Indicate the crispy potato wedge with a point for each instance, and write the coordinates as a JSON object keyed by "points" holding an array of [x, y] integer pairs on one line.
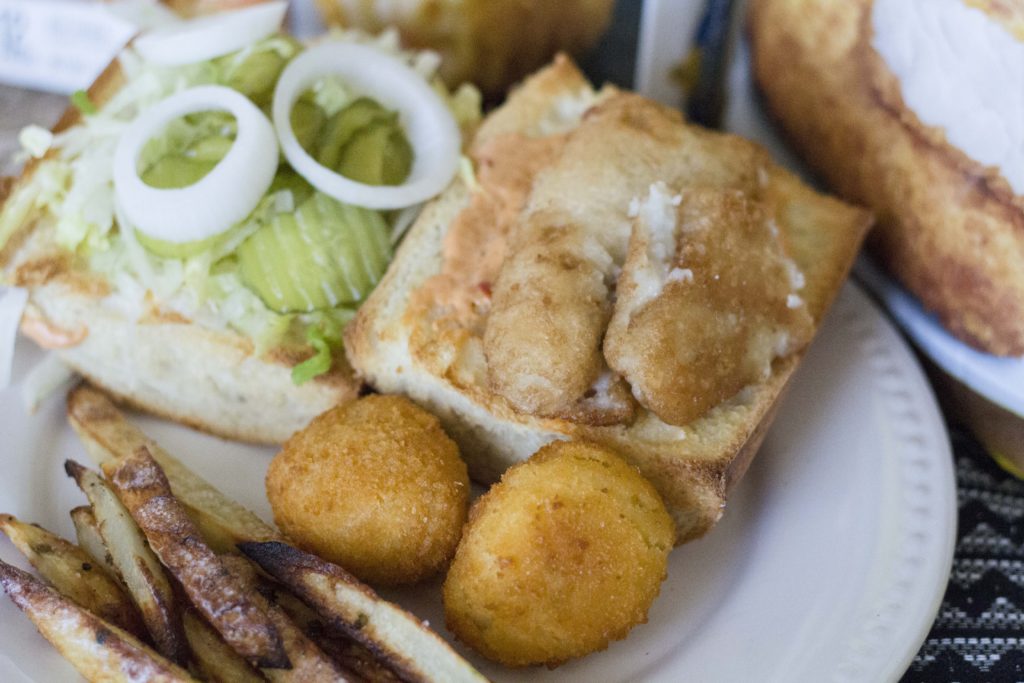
{"points": [[222, 599], [74, 573], [309, 663], [109, 437], [87, 531], [216, 660], [139, 568], [99, 650], [348, 653], [410, 648]]}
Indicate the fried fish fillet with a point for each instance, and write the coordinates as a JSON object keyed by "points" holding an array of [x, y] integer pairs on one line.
{"points": [[705, 303]]}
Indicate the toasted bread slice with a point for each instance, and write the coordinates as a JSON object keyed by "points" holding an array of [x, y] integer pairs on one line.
{"points": [[949, 229], [156, 360], [398, 345]]}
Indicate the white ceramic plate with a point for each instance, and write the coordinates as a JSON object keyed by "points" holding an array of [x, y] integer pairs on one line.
{"points": [[1000, 380], [828, 566]]}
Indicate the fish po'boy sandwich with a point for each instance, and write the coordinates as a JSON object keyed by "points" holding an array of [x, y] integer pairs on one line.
{"points": [[200, 225]]}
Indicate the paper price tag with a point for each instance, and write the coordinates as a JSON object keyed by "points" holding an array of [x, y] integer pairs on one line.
{"points": [[57, 45]]}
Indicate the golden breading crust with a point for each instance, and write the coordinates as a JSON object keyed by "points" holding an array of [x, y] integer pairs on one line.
{"points": [[404, 342], [727, 286], [554, 292], [563, 556], [951, 231], [374, 485], [549, 311]]}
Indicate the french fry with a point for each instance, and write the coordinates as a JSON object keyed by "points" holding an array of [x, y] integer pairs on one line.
{"points": [[216, 660], [225, 525], [309, 663], [109, 437], [87, 531], [139, 568], [348, 653], [220, 598], [410, 648], [74, 573], [99, 650]]}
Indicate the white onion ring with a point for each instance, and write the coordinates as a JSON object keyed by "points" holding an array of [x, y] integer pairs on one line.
{"points": [[197, 40], [224, 196], [429, 125]]}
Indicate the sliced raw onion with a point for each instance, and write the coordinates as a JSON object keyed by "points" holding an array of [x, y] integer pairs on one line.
{"points": [[224, 196], [429, 125], [12, 305], [212, 36]]}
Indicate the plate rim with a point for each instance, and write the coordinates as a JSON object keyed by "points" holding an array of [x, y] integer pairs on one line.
{"points": [[942, 459], [873, 328], [979, 371]]}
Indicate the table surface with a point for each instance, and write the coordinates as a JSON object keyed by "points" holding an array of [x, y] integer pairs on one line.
{"points": [[979, 632]]}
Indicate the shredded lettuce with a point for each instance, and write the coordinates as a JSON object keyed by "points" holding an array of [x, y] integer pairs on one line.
{"points": [[317, 364], [324, 335], [73, 187], [468, 174], [80, 100], [35, 140], [466, 104]]}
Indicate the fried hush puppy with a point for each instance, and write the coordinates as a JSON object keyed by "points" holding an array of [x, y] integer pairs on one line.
{"points": [[561, 557], [375, 486]]}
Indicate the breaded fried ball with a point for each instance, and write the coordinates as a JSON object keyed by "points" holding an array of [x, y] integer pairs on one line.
{"points": [[563, 556], [375, 486]]}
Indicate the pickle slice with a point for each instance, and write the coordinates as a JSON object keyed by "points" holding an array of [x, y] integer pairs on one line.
{"points": [[257, 74], [211, 149], [344, 126], [176, 170], [324, 255], [287, 179], [378, 155], [398, 157], [307, 120]]}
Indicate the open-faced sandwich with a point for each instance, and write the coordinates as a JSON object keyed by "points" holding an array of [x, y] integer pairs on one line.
{"points": [[199, 226], [612, 274]]}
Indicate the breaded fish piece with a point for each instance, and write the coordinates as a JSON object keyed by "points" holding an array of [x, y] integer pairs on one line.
{"points": [[552, 300], [550, 309], [706, 301]]}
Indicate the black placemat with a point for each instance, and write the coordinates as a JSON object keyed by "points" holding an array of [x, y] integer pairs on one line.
{"points": [[979, 632]]}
